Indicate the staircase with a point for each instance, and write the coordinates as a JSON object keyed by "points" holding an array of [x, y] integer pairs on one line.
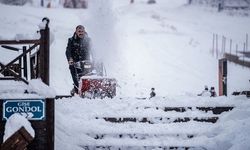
{"points": [[143, 125]]}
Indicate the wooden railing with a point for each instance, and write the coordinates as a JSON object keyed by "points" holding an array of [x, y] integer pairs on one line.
{"points": [[17, 69]]}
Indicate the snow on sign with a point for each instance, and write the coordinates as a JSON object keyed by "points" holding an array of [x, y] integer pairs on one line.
{"points": [[32, 109]]}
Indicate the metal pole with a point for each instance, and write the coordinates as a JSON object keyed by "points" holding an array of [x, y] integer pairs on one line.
{"points": [[213, 44], [244, 48], [231, 45], [225, 40], [216, 46], [246, 42], [222, 45], [236, 49]]}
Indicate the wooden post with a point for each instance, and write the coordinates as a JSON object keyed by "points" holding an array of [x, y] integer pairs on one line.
{"points": [[223, 77], [50, 122], [32, 70], [25, 63], [20, 67], [44, 53], [2, 122], [44, 129]]}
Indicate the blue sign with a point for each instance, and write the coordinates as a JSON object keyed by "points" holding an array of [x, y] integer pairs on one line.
{"points": [[32, 109]]}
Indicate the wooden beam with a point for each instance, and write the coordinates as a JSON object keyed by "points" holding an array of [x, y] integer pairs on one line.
{"points": [[236, 60], [19, 42], [62, 96], [246, 54], [16, 76], [18, 141]]}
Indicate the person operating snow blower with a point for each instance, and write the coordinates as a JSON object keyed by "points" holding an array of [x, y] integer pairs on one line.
{"points": [[78, 49]]}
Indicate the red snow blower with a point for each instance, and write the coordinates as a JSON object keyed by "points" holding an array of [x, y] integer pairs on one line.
{"points": [[93, 81]]}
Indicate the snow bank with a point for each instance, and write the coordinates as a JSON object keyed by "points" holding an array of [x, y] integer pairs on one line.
{"points": [[233, 129], [9, 88], [14, 123], [20, 36], [18, 89], [40, 88]]}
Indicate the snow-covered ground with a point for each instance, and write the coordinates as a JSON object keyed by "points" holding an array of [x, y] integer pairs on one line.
{"points": [[166, 46]]}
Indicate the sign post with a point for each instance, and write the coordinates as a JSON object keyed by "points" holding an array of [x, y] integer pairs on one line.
{"points": [[30, 108], [40, 113]]}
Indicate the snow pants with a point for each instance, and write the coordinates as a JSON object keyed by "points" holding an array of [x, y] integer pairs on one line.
{"points": [[74, 73]]}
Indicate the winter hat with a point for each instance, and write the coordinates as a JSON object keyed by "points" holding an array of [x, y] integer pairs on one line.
{"points": [[80, 26]]}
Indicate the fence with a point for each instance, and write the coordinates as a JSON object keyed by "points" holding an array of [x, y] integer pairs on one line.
{"points": [[223, 4], [17, 69], [222, 45], [32, 63], [237, 55]]}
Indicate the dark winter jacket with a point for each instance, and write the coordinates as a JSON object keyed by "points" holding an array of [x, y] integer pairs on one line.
{"points": [[78, 48]]}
